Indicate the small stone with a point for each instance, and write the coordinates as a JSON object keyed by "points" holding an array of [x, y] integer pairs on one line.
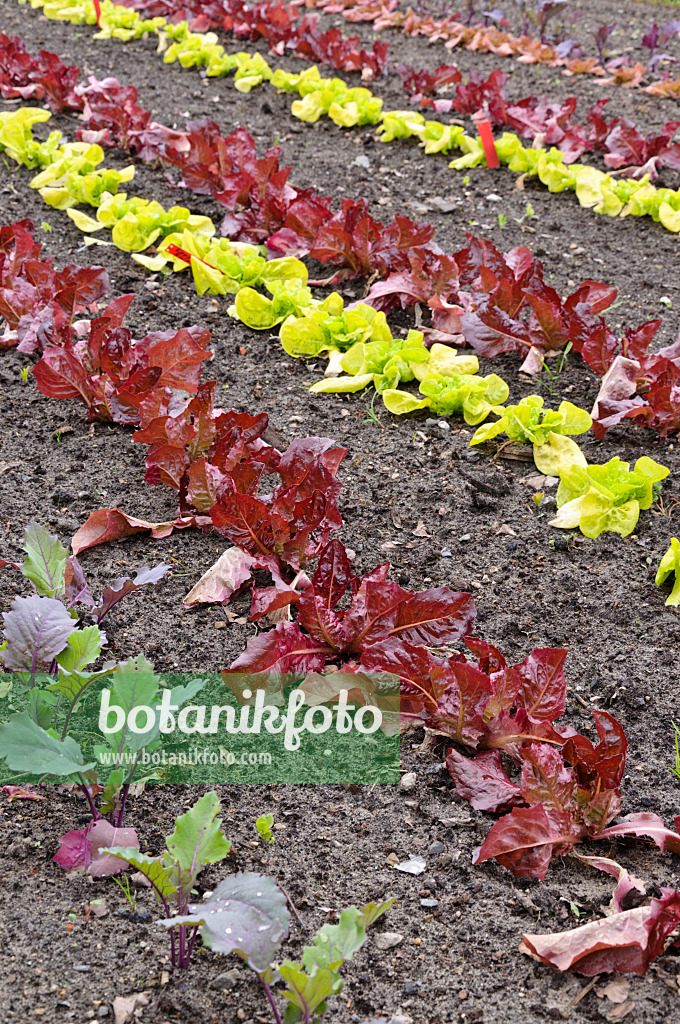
{"points": [[465, 537], [407, 783], [463, 994], [140, 881], [387, 940], [493, 198], [443, 425], [392, 858], [410, 988], [225, 982], [429, 902], [443, 205], [103, 1011], [445, 553], [81, 968], [362, 161], [436, 848]]}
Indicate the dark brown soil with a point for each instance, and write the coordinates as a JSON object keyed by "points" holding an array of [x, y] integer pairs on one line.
{"points": [[459, 961]]}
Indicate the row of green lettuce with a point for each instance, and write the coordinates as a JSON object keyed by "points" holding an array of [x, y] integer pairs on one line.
{"points": [[351, 106], [593, 498], [358, 342]]}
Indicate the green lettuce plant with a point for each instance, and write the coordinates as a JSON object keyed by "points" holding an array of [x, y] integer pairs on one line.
{"points": [[469, 396], [670, 563], [16, 137], [74, 177], [383, 363], [289, 298], [529, 423], [329, 326], [136, 223], [222, 267], [604, 498]]}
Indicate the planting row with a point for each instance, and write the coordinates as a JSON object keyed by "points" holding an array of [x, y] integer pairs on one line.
{"points": [[357, 106], [562, 789], [253, 23], [623, 144], [527, 50]]}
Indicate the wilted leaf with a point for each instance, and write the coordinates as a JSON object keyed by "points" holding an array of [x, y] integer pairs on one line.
{"points": [[623, 942]]}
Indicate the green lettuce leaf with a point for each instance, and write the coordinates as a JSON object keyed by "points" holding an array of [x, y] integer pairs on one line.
{"points": [[670, 563]]}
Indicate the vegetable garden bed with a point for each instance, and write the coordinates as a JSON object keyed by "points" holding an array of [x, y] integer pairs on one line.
{"points": [[415, 493]]}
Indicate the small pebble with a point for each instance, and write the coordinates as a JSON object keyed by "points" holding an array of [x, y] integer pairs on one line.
{"points": [[407, 783], [387, 940], [436, 848], [224, 982]]}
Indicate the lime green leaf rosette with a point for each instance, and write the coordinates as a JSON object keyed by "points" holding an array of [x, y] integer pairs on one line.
{"points": [[464, 395], [261, 313], [606, 498], [136, 223], [383, 362], [529, 423], [74, 177], [670, 563], [330, 327], [221, 267], [16, 137]]}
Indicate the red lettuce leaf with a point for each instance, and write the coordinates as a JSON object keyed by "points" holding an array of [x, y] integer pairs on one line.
{"points": [[280, 650], [622, 943], [482, 781], [107, 524], [648, 825], [541, 686], [525, 840]]}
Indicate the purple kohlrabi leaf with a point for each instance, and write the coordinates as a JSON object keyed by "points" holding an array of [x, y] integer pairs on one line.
{"points": [[36, 630], [120, 588]]}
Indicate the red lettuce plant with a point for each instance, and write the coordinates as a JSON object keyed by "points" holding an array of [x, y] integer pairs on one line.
{"points": [[38, 302], [120, 380], [43, 77]]}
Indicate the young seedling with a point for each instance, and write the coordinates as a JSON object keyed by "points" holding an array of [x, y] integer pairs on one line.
{"points": [[247, 915], [553, 375], [124, 885], [676, 767], [264, 827], [602, 34], [197, 840], [51, 640]]}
